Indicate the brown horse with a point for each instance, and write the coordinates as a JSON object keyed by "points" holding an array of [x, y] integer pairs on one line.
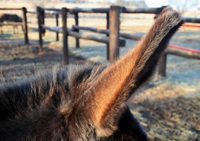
{"points": [[88, 102]]}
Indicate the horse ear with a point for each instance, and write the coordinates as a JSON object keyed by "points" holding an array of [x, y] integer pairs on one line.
{"points": [[116, 83]]}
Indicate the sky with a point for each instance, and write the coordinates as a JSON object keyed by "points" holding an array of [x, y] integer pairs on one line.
{"points": [[185, 4], [156, 3]]}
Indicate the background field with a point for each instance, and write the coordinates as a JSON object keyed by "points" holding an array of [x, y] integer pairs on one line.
{"points": [[168, 108]]}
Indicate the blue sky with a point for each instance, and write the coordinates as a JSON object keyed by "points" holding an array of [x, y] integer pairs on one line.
{"points": [[184, 4]]}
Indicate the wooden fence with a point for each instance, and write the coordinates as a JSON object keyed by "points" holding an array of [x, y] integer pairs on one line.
{"points": [[23, 24], [113, 42]]}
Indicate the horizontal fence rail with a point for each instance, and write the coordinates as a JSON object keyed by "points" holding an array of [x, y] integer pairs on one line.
{"points": [[10, 8], [88, 10], [143, 10], [192, 20]]}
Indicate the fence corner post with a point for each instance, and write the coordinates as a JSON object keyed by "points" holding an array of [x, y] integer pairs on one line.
{"points": [[114, 27], [65, 36], [24, 25]]}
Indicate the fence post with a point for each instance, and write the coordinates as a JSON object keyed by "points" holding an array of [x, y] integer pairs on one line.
{"points": [[24, 25], [65, 36], [162, 65], [57, 24], [114, 18], [39, 17], [107, 27], [76, 17]]}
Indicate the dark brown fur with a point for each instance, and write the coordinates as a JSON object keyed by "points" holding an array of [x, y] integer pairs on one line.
{"points": [[84, 102]]}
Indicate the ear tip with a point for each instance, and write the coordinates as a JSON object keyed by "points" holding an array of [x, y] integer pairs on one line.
{"points": [[172, 15], [168, 10]]}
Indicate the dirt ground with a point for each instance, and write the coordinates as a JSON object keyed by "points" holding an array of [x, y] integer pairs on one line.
{"points": [[168, 108]]}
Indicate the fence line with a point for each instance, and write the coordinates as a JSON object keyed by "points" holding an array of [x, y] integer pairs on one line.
{"points": [[113, 32], [10, 8], [112, 16]]}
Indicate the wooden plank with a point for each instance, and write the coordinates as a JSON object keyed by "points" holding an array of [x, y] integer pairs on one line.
{"points": [[88, 10], [88, 37], [93, 38], [194, 25], [91, 29], [103, 31], [31, 12], [143, 10], [130, 36], [95, 30], [191, 20], [53, 29], [183, 52], [53, 10], [10, 8], [71, 32]]}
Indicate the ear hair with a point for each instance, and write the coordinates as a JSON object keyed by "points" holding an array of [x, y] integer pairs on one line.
{"points": [[108, 94]]}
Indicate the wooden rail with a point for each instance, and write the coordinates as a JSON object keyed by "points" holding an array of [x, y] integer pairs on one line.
{"points": [[143, 10], [183, 51], [10, 8], [192, 20], [88, 10], [106, 31], [82, 36], [93, 38]]}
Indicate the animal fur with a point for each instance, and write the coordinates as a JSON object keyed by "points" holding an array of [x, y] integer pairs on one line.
{"points": [[10, 18], [81, 103]]}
